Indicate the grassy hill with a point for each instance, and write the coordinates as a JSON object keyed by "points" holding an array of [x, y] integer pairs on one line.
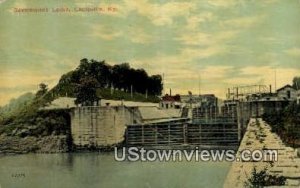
{"points": [[25, 118], [15, 105]]}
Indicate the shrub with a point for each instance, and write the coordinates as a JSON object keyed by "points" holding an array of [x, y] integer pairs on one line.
{"points": [[262, 179]]}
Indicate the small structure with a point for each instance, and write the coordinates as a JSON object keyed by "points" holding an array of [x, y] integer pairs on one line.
{"points": [[105, 102], [229, 109], [169, 101], [287, 92], [206, 109], [208, 100], [61, 103], [191, 100]]}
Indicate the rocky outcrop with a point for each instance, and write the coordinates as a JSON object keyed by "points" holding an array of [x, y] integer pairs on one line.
{"points": [[30, 144]]}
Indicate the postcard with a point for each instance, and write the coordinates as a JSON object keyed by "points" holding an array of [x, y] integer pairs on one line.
{"points": [[149, 93]]}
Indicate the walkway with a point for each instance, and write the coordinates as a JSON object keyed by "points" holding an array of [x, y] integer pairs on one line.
{"points": [[258, 137]]}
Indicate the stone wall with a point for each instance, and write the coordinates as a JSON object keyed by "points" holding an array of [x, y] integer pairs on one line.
{"points": [[259, 137], [101, 126]]}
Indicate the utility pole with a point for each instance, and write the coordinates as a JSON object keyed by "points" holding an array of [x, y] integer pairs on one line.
{"points": [[111, 89], [275, 80], [199, 86], [163, 80]]}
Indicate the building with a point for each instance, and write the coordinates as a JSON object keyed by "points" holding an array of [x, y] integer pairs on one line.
{"points": [[169, 101], [206, 109], [208, 100], [61, 103], [190, 99], [287, 92]]}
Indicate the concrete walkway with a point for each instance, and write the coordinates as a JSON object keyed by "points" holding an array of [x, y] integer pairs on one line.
{"points": [[259, 137]]}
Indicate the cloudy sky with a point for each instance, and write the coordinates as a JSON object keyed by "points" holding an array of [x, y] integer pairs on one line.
{"points": [[213, 44]]}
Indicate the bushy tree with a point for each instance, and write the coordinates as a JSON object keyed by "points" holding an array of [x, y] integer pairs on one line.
{"points": [[86, 91], [43, 88], [296, 82], [120, 77]]}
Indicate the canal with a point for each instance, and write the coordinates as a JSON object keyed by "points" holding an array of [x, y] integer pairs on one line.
{"points": [[98, 170]]}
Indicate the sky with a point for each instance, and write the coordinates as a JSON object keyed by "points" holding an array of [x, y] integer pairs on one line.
{"points": [[203, 46]]}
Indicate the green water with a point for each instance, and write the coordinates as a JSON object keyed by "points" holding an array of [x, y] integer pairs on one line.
{"points": [[101, 170]]}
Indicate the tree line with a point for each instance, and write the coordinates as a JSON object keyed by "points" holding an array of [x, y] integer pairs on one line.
{"points": [[92, 74]]}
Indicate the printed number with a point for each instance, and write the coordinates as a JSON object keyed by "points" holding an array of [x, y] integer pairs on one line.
{"points": [[18, 175]]}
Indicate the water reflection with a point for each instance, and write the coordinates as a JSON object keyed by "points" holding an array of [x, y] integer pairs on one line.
{"points": [[101, 170]]}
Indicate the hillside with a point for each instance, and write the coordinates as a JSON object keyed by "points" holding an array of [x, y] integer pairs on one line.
{"points": [[22, 117], [15, 105], [112, 82]]}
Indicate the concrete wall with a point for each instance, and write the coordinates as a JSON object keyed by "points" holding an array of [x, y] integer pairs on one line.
{"points": [[101, 126]]}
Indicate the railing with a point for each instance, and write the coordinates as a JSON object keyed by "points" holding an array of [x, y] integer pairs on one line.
{"points": [[218, 120]]}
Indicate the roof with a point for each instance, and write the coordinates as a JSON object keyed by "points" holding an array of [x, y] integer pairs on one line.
{"points": [[207, 95], [162, 121], [68, 102], [171, 98], [103, 102], [151, 113], [61, 103], [286, 86]]}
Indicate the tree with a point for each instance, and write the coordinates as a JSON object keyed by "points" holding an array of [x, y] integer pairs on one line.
{"points": [[120, 76], [43, 88], [102, 72], [86, 91], [296, 82], [155, 85]]}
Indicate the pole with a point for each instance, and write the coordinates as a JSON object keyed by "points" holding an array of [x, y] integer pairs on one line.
{"points": [[275, 80]]}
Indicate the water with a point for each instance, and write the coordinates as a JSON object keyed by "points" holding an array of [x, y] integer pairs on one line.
{"points": [[101, 170]]}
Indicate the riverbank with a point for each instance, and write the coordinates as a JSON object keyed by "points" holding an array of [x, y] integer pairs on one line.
{"points": [[12, 145], [31, 144]]}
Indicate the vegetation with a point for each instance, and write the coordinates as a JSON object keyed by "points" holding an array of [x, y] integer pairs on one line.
{"points": [[43, 123], [43, 88], [86, 91], [16, 104], [118, 77], [296, 82], [286, 123], [110, 82], [108, 93], [90, 81], [262, 179]]}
